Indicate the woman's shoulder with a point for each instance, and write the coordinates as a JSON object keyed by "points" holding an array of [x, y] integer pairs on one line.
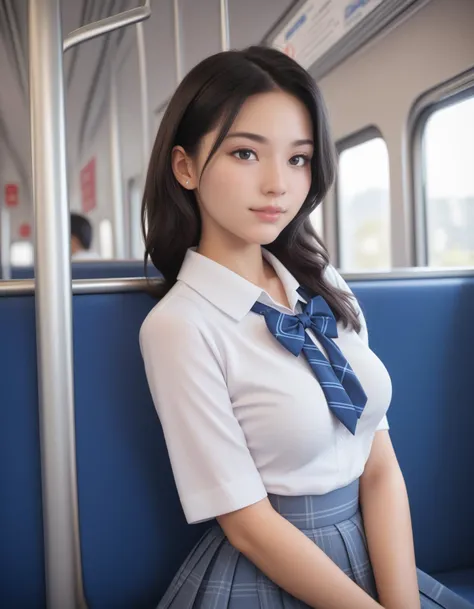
{"points": [[179, 310]]}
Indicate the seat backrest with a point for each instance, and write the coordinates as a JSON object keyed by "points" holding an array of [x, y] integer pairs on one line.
{"points": [[423, 330], [133, 531], [22, 583], [100, 269], [22, 272], [420, 328], [111, 269]]}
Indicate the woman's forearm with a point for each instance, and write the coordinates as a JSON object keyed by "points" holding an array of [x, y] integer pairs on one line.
{"points": [[387, 522], [292, 560]]}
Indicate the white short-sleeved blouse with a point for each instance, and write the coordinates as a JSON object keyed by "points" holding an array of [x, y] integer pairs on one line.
{"points": [[241, 415]]}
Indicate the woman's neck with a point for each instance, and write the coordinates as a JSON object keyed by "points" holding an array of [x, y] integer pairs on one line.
{"points": [[248, 262], [245, 260]]}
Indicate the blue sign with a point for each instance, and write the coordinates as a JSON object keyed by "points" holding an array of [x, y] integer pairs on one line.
{"points": [[352, 7], [295, 27]]}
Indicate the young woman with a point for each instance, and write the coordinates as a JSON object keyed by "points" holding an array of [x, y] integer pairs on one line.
{"points": [[271, 401]]}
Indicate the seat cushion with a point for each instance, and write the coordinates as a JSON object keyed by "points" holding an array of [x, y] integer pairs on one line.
{"points": [[461, 582]]}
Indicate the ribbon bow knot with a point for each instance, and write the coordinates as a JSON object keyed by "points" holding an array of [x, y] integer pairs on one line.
{"points": [[342, 389]]}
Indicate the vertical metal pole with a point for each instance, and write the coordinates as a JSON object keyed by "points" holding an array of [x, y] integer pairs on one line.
{"points": [[116, 168], [225, 31], [142, 64], [5, 243], [64, 587], [178, 46]]}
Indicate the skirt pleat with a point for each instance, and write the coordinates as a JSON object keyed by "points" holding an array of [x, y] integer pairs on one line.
{"points": [[187, 582], [218, 581], [217, 576], [360, 569]]}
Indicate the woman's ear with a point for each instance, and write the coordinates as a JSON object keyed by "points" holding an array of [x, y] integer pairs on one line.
{"points": [[183, 168]]}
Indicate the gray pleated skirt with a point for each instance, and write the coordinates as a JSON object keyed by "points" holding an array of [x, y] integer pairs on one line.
{"points": [[216, 576]]}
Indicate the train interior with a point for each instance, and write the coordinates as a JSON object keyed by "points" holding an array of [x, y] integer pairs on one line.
{"points": [[399, 224]]}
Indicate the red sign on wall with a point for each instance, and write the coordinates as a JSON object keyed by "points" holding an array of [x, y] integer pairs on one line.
{"points": [[88, 187], [11, 195], [25, 230]]}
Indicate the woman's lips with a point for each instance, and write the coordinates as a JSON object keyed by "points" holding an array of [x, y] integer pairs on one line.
{"points": [[268, 214]]}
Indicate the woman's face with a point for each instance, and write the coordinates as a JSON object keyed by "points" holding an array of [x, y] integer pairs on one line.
{"points": [[261, 175]]}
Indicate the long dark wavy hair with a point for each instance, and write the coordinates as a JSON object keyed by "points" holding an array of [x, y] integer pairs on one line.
{"points": [[212, 94]]}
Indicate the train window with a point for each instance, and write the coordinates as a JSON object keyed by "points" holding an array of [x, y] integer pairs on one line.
{"points": [[363, 204], [106, 239], [448, 192], [21, 253], [318, 221]]}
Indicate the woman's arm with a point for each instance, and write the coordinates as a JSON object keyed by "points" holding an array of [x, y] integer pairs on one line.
{"points": [[292, 560], [387, 522]]}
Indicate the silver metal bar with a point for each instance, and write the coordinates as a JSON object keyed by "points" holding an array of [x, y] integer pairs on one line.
{"points": [[92, 30], [64, 586], [178, 42], [111, 286], [116, 286], [116, 168], [409, 273], [5, 243], [26, 287], [145, 110], [17, 287], [225, 30]]}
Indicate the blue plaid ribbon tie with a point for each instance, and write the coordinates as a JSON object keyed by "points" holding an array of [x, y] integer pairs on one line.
{"points": [[342, 389]]}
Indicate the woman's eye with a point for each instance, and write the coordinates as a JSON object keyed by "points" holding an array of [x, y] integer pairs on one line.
{"points": [[244, 155], [300, 160]]}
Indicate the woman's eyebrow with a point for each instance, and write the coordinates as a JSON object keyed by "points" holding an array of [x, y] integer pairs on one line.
{"points": [[263, 140]]}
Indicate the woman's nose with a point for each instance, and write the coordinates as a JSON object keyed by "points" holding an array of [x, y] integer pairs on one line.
{"points": [[274, 181]]}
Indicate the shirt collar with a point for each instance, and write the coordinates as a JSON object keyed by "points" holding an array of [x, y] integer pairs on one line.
{"points": [[227, 290]]}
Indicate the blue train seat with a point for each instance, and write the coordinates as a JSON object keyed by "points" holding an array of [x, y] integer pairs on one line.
{"points": [[111, 269], [133, 532], [423, 330], [22, 272], [95, 270], [22, 583]]}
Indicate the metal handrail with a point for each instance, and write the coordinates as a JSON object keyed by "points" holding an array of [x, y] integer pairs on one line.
{"points": [[225, 27], [109, 24], [53, 294], [21, 287], [178, 43]]}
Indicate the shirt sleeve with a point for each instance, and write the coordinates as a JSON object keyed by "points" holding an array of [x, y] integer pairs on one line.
{"points": [[212, 466], [383, 425], [335, 278]]}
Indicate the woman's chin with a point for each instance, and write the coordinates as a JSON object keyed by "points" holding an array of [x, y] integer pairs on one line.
{"points": [[264, 235]]}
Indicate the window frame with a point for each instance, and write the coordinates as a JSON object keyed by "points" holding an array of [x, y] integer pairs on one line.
{"points": [[320, 209], [448, 93], [134, 188], [357, 138]]}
